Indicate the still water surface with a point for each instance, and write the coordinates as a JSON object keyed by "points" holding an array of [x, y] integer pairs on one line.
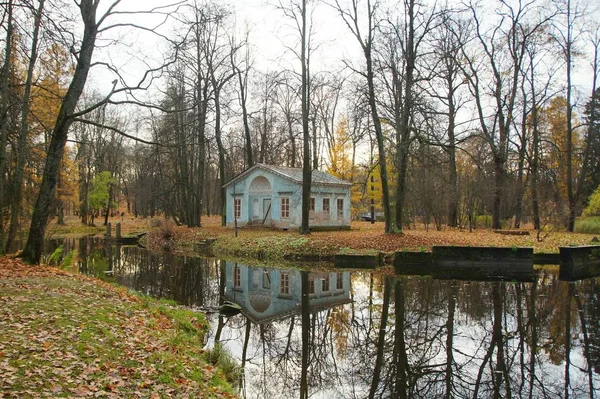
{"points": [[363, 334]]}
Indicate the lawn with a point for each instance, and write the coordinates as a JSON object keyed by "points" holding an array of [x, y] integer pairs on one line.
{"points": [[65, 335], [362, 238]]}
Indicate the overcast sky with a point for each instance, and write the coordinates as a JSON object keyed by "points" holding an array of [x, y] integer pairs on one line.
{"points": [[270, 32]]}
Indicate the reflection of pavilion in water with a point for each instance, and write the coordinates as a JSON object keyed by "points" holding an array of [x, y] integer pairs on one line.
{"points": [[267, 294]]}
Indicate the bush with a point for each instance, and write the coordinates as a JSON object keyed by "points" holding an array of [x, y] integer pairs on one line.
{"points": [[593, 208], [167, 230], [154, 223], [589, 225], [219, 357]]}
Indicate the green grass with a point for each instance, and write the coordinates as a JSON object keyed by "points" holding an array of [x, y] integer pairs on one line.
{"points": [[65, 336], [267, 247], [588, 225]]}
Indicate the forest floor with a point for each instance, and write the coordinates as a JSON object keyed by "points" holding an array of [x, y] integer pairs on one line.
{"points": [[66, 335], [362, 238]]}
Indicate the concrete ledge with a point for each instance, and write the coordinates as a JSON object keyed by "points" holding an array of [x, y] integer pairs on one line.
{"points": [[580, 262], [413, 263], [483, 263], [356, 261], [546, 259]]}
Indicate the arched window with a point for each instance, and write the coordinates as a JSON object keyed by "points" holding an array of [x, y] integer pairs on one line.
{"points": [[260, 185]]}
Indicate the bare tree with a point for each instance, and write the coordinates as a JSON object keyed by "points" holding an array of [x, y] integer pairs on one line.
{"points": [[93, 25], [405, 45], [566, 37], [352, 17], [450, 36], [242, 75], [7, 19], [299, 12], [506, 39]]}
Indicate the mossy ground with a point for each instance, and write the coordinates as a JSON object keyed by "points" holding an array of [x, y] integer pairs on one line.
{"points": [[66, 335], [364, 238]]}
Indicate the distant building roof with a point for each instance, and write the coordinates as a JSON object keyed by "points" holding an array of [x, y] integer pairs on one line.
{"points": [[294, 174]]}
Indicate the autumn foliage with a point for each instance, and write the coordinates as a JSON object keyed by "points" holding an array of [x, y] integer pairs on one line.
{"points": [[65, 335]]}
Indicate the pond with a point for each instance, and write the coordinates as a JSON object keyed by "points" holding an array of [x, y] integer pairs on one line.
{"points": [[363, 334]]}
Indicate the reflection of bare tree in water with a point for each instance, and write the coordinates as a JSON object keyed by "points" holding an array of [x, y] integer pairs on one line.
{"points": [[449, 381], [221, 318], [379, 360], [403, 337], [305, 336], [400, 356], [590, 302]]}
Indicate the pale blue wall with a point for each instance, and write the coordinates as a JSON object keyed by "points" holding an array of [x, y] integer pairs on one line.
{"points": [[282, 187], [281, 305]]}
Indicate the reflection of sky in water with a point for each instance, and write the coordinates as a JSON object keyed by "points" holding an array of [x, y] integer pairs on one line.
{"points": [[343, 339]]}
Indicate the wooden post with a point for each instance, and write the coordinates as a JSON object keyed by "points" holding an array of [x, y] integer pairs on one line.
{"points": [[118, 230], [108, 227]]}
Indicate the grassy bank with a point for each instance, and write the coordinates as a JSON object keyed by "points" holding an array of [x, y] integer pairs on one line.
{"points": [[65, 335], [363, 238]]}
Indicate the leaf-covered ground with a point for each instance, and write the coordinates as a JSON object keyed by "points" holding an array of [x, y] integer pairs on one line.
{"points": [[65, 335], [363, 237]]}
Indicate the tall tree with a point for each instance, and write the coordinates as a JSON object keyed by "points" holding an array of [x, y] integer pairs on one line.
{"points": [[449, 38], [566, 36], [352, 17], [33, 247], [502, 50], [242, 75], [4, 107], [92, 25], [409, 37], [589, 177], [220, 50], [15, 213], [299, 12]]}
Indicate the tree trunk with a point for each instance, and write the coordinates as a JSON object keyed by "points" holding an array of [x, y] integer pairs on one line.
{"points": [[452, 174], [535, 159], [4, 106], [243, 100], [315, 149], [15, 213], [498, 191], [403, 142], [41, 212], [387, 210], [521, 169], [306, 164], [569, 149], [292, 141], [221, 151]]}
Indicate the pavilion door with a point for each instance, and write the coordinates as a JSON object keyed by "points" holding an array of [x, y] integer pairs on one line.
{"points": [[266, 210]]}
